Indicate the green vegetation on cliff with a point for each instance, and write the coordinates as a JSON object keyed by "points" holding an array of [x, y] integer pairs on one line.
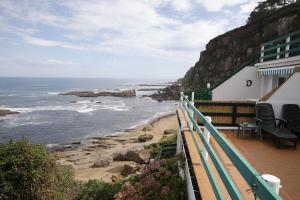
{"points": [[266, 8]]}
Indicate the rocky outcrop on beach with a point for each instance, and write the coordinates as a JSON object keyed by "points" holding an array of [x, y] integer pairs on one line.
{"points": [[145, 137], [130, 154], [130, 168], [228, 52], [4, 113], [171, 131], [103, 161], [123, 93], [169, 93]]}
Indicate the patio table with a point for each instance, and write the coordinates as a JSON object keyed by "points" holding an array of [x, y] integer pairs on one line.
{"points": [[247, 126]]}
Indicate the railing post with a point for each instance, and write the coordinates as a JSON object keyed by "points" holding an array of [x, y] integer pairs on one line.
{"points": [[206, 135], [287, 47], [262, 54], [186, 106], [191, 110], [179, 145], [181, 97], [278, 53]]}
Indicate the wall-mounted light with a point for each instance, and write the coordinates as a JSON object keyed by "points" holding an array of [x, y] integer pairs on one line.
{"points": [[248, 83], [208, 85]]}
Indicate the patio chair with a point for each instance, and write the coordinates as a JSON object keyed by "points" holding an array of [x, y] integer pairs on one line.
{"points": [[266, 122], [291, 117]]}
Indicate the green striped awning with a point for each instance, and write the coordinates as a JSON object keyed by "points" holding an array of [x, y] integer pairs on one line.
{"points": [[276, 71]]}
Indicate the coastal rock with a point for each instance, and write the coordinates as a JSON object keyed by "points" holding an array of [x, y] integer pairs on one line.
{"points": [[169, 93], [145, 137], [3, 113], [130, 169], [132, 154], [115, 178], [123, 93], [171, 131], [102, 162], [147, 128], [77, 142]]}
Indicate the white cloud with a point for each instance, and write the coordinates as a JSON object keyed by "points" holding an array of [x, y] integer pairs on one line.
{"points": [[130, 27], [218, 5], [49, 43], [248, 7], [181, 5], [19, 61]]}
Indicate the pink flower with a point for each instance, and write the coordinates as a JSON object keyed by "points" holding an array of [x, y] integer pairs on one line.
{"points": [[163, 162], [150, 182], [168, 173], [146, 170], [165, 190]]}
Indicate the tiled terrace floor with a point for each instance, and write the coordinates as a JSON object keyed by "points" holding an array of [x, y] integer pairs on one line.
{"points": [[266, 158]]}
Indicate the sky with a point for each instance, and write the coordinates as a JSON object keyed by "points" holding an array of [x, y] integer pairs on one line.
{"points": [[158, 39]]}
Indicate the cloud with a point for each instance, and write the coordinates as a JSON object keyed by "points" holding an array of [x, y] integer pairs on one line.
{"points": [[182, 5], [170, 31], [128, 27], [218, 5], [18, 61], [248, 7], [48, 43]]}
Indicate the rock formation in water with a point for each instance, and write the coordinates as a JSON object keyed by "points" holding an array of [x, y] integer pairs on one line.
{"points": [[3, 113], [124, 93]]}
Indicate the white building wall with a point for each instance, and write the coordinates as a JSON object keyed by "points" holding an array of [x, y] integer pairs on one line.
{"points": [[288, 93], [236, 89], [267, 85]]}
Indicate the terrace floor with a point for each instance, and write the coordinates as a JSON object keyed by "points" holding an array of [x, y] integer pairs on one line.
{"points": [[267, 159], [262, 155]]}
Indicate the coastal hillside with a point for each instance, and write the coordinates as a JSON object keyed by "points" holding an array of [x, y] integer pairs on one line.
{"points": [[226, 53]]}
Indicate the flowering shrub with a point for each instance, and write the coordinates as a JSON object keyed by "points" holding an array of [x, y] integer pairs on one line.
{"points": [[157, 181]]}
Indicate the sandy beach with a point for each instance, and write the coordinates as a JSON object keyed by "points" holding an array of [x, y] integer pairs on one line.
{"points": [[87, 160]]}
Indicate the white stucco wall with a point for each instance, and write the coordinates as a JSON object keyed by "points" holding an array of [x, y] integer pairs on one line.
{"points": [[235, 89], [288, 93]]}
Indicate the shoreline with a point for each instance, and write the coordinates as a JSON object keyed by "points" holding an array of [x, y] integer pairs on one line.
{"points": [[79, 143], [85, 157]]}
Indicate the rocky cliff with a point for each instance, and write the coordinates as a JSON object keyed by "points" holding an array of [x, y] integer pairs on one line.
{"points": [[229, 51]]}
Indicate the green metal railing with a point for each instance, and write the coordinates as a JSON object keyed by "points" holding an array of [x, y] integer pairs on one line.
{"points": [[200, 95], [282, 47], [259, 186]]}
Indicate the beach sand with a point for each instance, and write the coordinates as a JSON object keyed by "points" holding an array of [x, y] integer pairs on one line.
{"points": [[83, 158]]}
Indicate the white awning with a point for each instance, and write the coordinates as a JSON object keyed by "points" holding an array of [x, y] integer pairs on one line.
{"points": [[276, 71]]}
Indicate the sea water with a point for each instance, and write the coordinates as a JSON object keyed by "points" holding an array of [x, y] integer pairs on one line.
{"points": [[49, 118]]}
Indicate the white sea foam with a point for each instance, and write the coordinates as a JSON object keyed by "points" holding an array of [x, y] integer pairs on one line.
{"points": [[146, 121], [53, 93], [87, 110], [85, 106], [51, 145], [117, 133]]}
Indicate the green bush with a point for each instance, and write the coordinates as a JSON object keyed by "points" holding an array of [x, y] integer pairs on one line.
{"points": [[99, 190], [28, 171]]}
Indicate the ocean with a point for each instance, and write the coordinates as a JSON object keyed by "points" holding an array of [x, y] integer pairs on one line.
{"points": [[49, 118]]}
